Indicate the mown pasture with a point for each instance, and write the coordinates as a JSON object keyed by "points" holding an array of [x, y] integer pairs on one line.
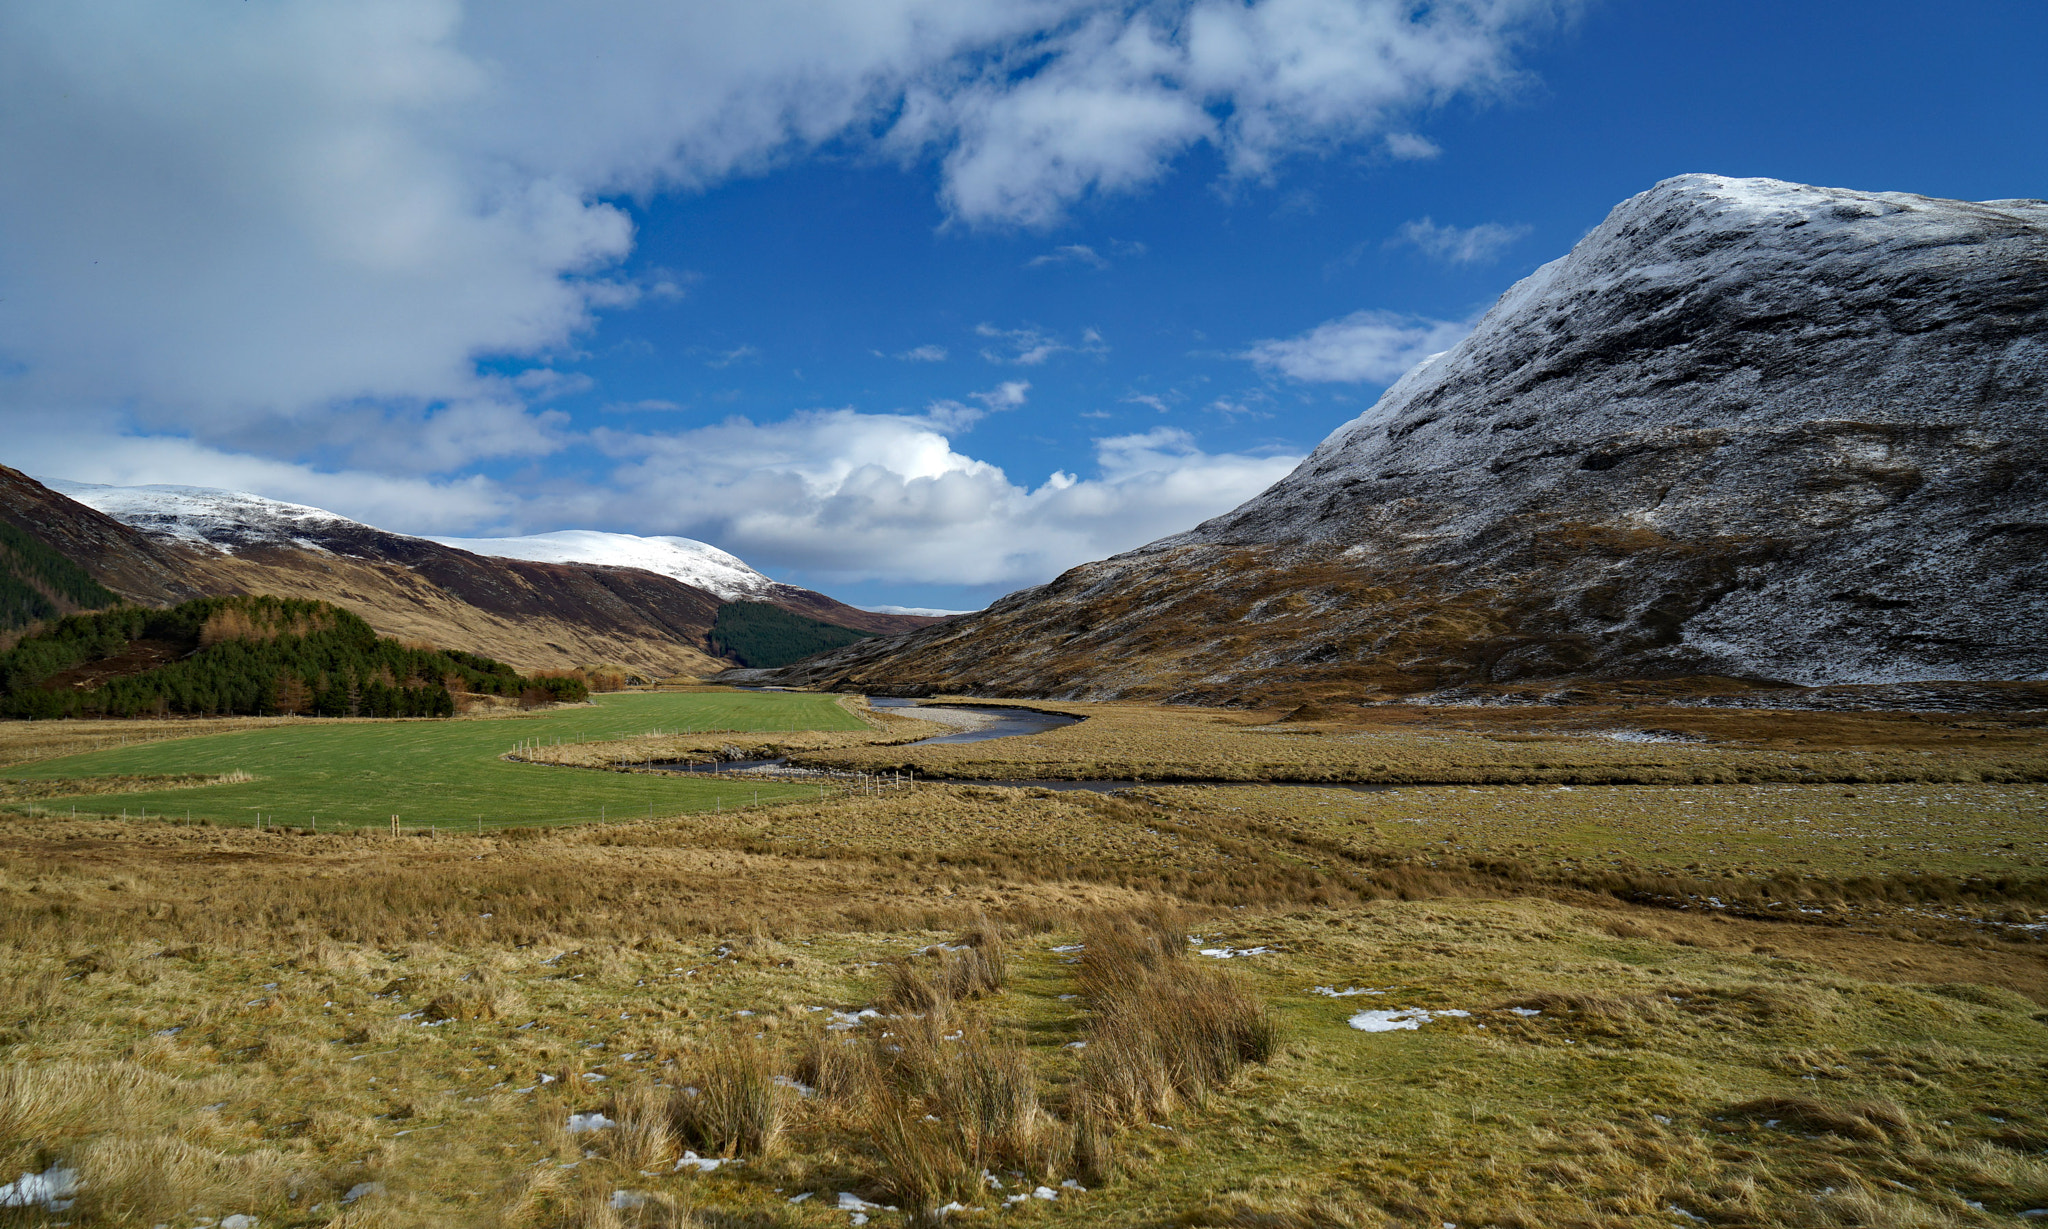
{"points": [[429, 773]]}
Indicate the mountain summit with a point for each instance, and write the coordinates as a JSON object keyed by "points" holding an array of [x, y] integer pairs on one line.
{"points": [[1744, 428]]}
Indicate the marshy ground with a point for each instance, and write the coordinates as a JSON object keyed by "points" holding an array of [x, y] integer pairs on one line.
{"points": [[1761, 1002]]}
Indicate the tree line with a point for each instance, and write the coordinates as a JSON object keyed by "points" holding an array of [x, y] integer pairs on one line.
{"points": [[248, 656], [762, 635], [31, 574]]}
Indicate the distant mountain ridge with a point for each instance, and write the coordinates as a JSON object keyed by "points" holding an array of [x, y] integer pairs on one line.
{"points": [[685, 559], [1745, 428], [164, 545]]}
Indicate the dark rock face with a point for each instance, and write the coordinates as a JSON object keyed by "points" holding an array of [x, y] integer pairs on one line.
{"points": [[1745, 428]]}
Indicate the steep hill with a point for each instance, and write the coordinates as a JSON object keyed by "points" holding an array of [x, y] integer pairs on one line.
{"points": [[1745, 428], [184, 542]]}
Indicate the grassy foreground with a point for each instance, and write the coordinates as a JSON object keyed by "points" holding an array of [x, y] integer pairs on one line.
{"points": [[429, 772], [206, 1023]]}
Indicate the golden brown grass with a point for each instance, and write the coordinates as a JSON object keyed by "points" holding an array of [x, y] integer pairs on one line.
{"points": [[1406, 745], [207, 1021], [23, 742], [66, 787]]}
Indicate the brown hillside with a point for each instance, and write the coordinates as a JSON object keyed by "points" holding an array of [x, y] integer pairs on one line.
{"points": [[531, 615]]}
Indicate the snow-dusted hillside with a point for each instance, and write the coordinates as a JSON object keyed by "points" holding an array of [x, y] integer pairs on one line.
{"points": [[235, 521], [1744, 428], [498, 574], [685, 559], [207, 518]]}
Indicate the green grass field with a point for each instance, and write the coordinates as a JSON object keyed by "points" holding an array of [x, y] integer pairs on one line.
{"points": [[351, 774]]}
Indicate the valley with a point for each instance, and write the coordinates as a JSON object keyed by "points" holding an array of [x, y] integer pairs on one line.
{"points": [[1604, 786], [1695, 986]]}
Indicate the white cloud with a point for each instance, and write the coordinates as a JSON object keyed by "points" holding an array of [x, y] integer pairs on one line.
{"points": [[857, 496], [1069, 254], [1120, 94], [1409, 147], [1029, 347], [726, 358], [922, 354], [645, 405], [222, 210], [1458, 245], [1369, 345], [413, 504], [953, 416], [276, 241]]}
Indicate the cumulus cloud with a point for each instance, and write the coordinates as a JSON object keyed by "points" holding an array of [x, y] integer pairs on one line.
{"points": [[318, 237], [1118, 95], [856, 496], [273, 207], [1364, 346], [1457, 245]]}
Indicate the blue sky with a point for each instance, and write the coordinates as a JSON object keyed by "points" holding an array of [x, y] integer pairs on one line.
{"points": [[915, 309]]}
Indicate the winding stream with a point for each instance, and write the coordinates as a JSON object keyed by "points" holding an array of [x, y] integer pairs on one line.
{"points": [[1005, 722]]}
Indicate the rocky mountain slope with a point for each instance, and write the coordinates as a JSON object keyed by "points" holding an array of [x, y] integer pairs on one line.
{"points": [[172, 543], [1746, 428]]}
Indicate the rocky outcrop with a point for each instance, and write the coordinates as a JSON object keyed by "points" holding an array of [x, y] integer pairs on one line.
{"points": [[1745, 428]]}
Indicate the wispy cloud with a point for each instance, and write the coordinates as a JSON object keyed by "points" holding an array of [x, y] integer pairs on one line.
{"points": [[1029, 347], [1069, 254], [1364, 346], [918, 354], [952, 416], [738, 354], [1409, 147], [1456, 245], [649, 405]]}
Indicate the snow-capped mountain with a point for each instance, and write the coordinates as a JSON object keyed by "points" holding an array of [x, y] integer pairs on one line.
{"points": [[685, 559], [206, 518], [546, 600], [1744, 428], [236, 521]]}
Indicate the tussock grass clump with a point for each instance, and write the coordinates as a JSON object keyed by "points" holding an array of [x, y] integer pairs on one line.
{"points": [[1875, 1121], [1165, 1032], [944, 974], [737, 1108], [936, 1102]]}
